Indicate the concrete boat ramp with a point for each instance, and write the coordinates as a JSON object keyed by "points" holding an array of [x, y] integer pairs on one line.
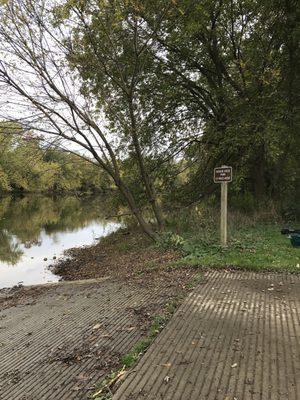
{"points": [[236, 336], [58, 342]]}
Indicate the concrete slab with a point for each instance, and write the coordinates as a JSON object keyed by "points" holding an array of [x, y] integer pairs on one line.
{"points": [[236, 337], [58, 343]]}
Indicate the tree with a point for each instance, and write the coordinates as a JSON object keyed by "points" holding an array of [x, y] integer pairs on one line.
{"points": [[229, 64], [112, 60], [54, 100], [28, 165], [157, 90]]}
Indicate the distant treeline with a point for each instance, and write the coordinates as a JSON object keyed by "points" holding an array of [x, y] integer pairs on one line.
{"points": [[28, 166]]}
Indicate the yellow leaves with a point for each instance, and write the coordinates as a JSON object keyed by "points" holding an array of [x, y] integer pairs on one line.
{"points": [[242, 64]]}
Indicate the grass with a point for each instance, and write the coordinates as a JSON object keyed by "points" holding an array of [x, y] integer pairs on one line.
{"points": [[130, 358], [255, 243], [195, 281], [256, 248], [158, 323]]}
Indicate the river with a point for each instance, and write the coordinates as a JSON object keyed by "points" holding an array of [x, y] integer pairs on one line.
{"points": [[35, 230]]}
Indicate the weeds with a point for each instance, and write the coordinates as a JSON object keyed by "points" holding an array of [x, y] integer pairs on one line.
{"points": [[255, 242], [196, 280], [104, 389], [130, 358]]}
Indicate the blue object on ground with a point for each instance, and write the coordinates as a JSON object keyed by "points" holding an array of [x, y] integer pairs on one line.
{"points": [[295, 239]]}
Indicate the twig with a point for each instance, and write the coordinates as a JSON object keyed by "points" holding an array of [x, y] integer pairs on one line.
{"points": [[110, 383]]}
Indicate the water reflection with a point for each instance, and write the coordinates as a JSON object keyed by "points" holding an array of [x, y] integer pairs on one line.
{"points": [[33, 228], [10, 251]]}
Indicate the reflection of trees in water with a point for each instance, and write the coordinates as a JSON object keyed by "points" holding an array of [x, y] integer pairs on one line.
{"points": [[23, 219], [10, 252]]}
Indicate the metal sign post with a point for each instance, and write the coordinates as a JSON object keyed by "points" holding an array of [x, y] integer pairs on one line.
{"points": [[223, 175]]}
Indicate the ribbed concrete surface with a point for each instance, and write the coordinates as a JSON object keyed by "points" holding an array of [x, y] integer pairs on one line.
{"points": [[236, 337], [60, 345]]}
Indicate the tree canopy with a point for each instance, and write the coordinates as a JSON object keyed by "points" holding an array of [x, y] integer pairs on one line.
{"points": [[158, 93]]}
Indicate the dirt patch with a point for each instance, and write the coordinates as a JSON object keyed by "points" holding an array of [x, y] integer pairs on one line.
{"points": [[132, 258], [20, 295], [123, 255]]}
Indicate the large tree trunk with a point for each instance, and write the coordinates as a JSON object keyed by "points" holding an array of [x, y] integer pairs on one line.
{"points": [[134, 209], [259, 179]]}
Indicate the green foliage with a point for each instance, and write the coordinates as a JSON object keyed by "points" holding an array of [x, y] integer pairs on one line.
{"points": [[170, 240], [255, 242], [130, 358], [27, 166], [184, 86], [244, 202], [157, 324], [234, 66]]}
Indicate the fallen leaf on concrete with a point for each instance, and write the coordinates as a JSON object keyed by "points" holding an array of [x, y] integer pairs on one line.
{"points": [[82, 377], [131, 328], [167, 365]]}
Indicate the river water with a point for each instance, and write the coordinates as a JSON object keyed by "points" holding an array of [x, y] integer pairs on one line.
{"points": [[35, 230]]}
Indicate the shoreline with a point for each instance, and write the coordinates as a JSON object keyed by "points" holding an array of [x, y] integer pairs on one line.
{"points": [[124, 257], [124, 254]]}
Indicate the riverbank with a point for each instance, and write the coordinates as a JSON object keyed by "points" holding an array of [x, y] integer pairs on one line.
{"points": [[123, 254], [253, 245], [36, 229]]}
